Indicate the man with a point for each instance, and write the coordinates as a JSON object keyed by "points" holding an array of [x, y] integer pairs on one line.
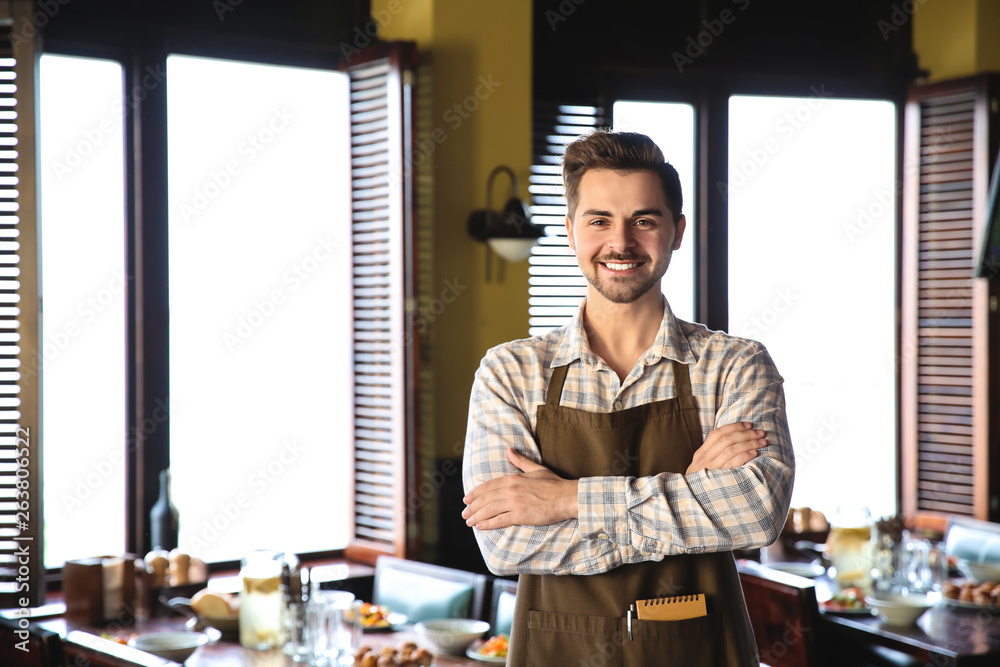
{"points": [[625, 455]]}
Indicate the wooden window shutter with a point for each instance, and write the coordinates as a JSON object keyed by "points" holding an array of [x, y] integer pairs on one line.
{"points": [[384, 339], [948, 153], [22, 566], [556, 284]]}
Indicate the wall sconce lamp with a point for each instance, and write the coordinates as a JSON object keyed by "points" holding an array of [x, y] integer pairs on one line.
{"points": [[510, 232]]}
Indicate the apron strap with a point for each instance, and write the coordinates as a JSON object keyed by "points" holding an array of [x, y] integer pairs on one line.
{"points": [[554, 391], [682, 380]]}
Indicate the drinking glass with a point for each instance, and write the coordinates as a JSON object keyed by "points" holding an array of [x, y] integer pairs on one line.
{"points": [[261, 602]]}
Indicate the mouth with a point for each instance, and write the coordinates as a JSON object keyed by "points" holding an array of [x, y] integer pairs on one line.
{"points": [[621, 267]]}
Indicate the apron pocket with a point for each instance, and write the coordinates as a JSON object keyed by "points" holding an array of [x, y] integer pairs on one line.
{"points": [[692, 641], [570, 640]]}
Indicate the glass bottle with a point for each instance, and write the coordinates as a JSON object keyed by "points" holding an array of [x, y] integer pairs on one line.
{"points": [[262, 604], [164, 520], [850, 547]]}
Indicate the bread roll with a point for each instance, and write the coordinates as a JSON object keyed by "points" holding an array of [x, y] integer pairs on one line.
{"points": [[213, 605]]}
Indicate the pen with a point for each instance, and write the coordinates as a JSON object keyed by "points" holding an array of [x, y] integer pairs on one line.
{"points": [[630, 607]]}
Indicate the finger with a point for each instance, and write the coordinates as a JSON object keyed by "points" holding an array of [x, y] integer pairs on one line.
{"points": [[522, 463], [738, 450]]}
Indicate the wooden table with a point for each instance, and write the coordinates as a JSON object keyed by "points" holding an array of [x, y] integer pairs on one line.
{"points": [[224, 653], [944, 636]]}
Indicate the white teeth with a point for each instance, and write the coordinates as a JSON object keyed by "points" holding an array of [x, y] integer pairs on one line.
{"points": [[620, 267]]}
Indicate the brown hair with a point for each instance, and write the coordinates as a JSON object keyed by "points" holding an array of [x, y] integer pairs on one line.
{"points": [[619, 151]]}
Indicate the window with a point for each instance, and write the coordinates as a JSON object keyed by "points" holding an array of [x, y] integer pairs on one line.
{"points": [[84, 282], [340, 354], [812, 249], [810, 261], [259, 354]]}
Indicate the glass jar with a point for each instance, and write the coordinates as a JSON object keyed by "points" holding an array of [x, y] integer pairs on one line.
{"points": [[850, 547], [262, 603]]}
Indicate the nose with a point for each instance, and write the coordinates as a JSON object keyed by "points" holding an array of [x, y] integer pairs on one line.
{"points": [[622, 238]]}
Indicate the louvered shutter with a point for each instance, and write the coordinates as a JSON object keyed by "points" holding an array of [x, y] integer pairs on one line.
{"points": [[556, 284], [384, 357], [21, 548], [945, 416]]}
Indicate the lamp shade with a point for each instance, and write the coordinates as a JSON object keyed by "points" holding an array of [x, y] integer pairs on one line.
{"points": [[513, 249]]}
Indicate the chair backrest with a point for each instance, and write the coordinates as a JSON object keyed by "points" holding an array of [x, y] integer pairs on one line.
{"points": [[784, 616], [501, 612], [423, 591]]}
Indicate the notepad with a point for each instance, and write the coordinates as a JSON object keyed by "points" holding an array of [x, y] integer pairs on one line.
{"points": [[675, 608]]}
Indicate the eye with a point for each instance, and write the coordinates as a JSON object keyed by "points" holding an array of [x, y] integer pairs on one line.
{"points": [[598, 222], [645, 222]]}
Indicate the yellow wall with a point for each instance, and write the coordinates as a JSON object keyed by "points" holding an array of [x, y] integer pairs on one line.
{"points": [[478, 56], [956, 38], [470, 43]]}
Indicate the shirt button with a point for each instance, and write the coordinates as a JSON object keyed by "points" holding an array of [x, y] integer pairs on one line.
{"points": [[604, 536], [618, 405]]}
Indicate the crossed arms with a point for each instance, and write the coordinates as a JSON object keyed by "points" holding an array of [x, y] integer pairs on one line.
{"points": [[734, 495]]}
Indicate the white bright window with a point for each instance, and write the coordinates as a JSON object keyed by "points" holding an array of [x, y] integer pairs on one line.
{"points": [[812, 241], [83, 281], [671, 126], [259, 275]]}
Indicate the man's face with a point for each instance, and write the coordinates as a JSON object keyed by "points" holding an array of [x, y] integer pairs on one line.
{"points": [[623, 233]]}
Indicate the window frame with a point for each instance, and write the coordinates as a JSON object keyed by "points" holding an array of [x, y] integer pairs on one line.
{"points": [[142, 52]]}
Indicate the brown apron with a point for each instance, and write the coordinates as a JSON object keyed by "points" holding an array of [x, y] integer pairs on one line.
{"points": [[580, 621]]}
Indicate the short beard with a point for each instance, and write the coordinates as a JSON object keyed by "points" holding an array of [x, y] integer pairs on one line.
{"points": [[624, 290]]}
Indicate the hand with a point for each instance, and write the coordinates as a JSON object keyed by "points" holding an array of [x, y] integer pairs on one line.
{"points": [[728, 446], [535, 497]]}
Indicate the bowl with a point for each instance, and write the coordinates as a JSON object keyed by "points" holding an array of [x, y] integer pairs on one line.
{"points": [[452, 635], [176, 646], [899, 610], [980, 572]]}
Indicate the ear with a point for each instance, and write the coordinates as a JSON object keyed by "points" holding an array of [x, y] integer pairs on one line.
{"points": [[569, 233], [679, 232]]}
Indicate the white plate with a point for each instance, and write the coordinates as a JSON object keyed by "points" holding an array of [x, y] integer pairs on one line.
{"points": [[864, 611], [476, 655], [807, 570], [969, 605]]}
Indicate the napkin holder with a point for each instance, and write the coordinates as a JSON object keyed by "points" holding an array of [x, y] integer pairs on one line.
{"points": [[100, 590]]}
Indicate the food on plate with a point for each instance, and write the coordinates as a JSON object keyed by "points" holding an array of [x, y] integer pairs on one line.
{"points": [[406, 654], [374, 616], [849, 599], [495, 647], [986, 594], [210, 604], [178, 570]]}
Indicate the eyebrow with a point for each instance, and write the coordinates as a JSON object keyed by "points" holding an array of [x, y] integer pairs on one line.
{"points": [[635, 214]]}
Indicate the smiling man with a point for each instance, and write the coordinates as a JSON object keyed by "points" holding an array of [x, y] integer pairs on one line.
{"points": [[625, 455]]}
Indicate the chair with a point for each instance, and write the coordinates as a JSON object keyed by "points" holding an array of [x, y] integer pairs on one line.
{"points": [[784, 616], [423, 591], [501, 611]]}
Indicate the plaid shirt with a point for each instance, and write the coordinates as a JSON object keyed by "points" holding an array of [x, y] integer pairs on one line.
{"points": [[628, 519]]}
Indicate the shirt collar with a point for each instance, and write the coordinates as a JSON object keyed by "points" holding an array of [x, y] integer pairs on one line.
{"points": [[670, 343]]}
